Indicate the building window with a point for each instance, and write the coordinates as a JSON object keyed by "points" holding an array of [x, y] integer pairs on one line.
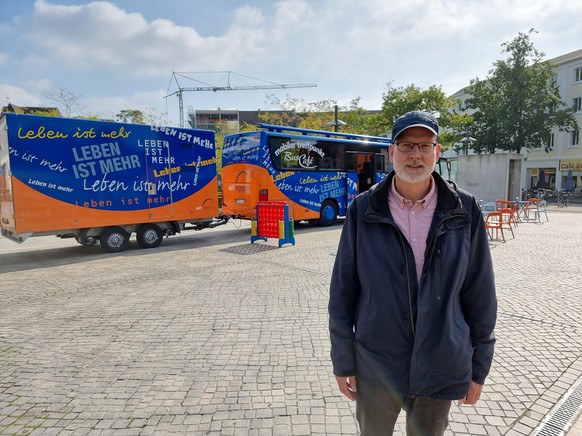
{"points": [[577, 104], [578, 74], [575, 138], [550, 144]]}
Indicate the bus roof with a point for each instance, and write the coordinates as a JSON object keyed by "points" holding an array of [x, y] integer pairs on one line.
{"points": [[325, 133]]}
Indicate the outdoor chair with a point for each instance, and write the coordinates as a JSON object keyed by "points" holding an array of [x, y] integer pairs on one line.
{"points": [[487, 207], [542, 209], [531, 211], [510, 217], [508, 207], [502, 204], [498, 221]]}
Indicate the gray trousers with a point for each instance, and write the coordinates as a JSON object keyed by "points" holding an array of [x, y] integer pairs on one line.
{"points": [[378, 409]]}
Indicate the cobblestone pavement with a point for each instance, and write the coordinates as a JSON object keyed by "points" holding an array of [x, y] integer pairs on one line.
{"points": [[208, 334]]}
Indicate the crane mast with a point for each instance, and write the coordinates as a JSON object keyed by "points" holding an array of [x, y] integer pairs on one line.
{"points": [[228, 87]]}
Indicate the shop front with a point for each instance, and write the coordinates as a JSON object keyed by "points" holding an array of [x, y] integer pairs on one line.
{"points": [[542, 178], [571, 170]]}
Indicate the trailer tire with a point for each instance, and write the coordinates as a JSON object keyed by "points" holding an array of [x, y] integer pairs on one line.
{"points": [[328, 213], [114, 239], [149, 236]]}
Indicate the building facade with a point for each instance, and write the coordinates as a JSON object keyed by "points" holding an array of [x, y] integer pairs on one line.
{"points": [[561, 167], [564, 161]]}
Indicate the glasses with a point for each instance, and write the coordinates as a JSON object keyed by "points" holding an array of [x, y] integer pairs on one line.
{"points": [[407, 147]]}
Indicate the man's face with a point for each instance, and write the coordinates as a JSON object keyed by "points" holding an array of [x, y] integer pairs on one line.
{"points": [[414, 166]]}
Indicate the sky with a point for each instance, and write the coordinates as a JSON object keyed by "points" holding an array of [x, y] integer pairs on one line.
{"points": [[135, 54]]}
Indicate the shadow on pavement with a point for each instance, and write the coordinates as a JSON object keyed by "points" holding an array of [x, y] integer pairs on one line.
{"points": [[190, 240]]}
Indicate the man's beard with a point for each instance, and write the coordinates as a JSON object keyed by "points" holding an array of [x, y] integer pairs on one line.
{"points": [[413, 175]]}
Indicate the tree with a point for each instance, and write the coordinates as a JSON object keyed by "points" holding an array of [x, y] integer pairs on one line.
{"points": [[67, 102], [134, 116], [137, 116], [518, 105], [398, 101]]}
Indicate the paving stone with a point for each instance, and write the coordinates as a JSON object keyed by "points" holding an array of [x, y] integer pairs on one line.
{"points": [[208, 334]]}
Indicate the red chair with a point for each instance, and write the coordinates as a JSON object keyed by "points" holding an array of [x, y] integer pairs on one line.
{"points": [[508, 207], [502, 204], [498, 221]]}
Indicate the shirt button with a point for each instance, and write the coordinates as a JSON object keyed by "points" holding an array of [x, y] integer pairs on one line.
{"points": [[413, 239], [413, 212]]}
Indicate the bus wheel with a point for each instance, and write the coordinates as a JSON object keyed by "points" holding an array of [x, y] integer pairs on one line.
{"points": [[149, 236], [114, 239], [328, 213]]}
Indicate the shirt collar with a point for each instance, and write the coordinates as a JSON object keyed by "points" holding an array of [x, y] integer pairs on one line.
{"points": [[403, 202]]}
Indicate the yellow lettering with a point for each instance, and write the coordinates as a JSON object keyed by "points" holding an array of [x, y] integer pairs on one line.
{"points": [[41, 133], [307, 179], [86, 134], [121, 133], [167, 171]]}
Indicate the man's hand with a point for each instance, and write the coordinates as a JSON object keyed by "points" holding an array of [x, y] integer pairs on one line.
{"points": [[347, 386], [473, 394]]}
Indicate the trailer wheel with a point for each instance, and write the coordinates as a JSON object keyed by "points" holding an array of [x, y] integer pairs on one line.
{"points": [[328, 213], [149, 236], [114, 239]]}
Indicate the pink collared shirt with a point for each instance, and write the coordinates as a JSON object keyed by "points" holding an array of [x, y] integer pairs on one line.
{"points": [[414, 220]]}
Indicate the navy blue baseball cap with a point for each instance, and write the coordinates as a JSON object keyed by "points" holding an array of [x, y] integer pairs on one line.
{"points": [[415, 119]]}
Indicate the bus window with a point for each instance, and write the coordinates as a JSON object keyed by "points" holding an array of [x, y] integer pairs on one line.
{"points": [[306, 154], [379, 163], [352, 161], [334, 156]]}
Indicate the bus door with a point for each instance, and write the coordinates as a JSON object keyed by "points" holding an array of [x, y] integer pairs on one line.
{"points": [[361, 173]]}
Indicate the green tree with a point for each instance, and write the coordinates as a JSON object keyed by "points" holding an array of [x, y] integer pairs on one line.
{"points": [[397, 101], [137, 116], [518, 105], [134, 116]]}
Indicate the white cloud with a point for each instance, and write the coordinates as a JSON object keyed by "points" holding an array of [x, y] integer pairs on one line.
{"points": [[18, 96], [349, 48], [101, 35]]}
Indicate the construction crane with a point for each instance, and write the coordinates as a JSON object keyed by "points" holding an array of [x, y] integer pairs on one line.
{"points": [[227, 87]]}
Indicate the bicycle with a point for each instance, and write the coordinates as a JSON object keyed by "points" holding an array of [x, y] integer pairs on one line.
{"points": [[546, 194], [562, 198]]}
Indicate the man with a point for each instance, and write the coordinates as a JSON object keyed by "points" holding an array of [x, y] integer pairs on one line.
{"points": [[412, 298]]}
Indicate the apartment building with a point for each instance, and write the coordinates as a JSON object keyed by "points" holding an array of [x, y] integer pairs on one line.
{"points": [[566, 154], [562, 166]]}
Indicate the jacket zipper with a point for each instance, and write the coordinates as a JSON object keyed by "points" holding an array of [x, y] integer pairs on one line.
{"points": [[433, 236], [412, 326]]}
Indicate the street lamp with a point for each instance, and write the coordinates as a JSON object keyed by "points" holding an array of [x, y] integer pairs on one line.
{"points": [[336, 122]]}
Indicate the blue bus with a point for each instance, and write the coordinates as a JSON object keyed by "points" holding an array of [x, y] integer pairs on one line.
{"points": [[316, 172]]}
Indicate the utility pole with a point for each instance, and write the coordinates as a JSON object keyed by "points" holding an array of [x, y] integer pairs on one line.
{"points": [[227, 87]]}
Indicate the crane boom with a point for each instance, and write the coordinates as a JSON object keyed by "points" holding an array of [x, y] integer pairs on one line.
{"points": [[228, 87], [248, 87]]}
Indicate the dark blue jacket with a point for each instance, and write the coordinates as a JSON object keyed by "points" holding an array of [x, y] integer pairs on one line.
{"points": [[418, 341]]}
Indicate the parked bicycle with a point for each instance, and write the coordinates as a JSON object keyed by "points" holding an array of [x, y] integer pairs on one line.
{"points": [[562, 198], [546, 194]]}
